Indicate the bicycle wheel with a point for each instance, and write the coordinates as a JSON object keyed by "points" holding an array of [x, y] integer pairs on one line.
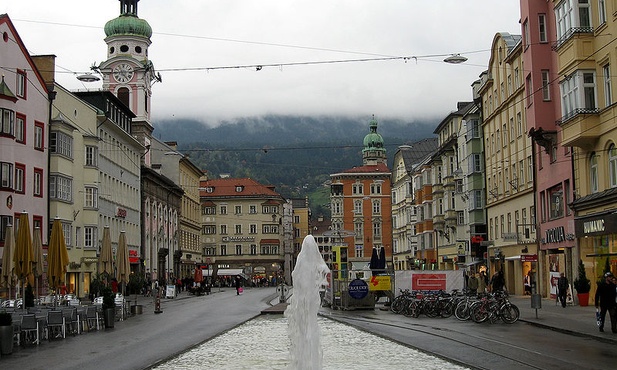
{"points": [[461, 311], [397, 304], [509, 313], [447, 309], [479, 313]]}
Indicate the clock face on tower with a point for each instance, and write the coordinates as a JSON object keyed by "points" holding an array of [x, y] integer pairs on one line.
{"points": [[123, 72]]}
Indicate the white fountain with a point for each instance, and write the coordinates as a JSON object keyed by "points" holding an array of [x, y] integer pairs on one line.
{"points": [[308, 276]]}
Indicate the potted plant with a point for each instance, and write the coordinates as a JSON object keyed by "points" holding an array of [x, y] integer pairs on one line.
{"points": [[582, 285], [109, 307], [6, 333]]}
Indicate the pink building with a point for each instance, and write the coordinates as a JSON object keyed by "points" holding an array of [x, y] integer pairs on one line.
{"points": [[553, 162], [24, 118]]}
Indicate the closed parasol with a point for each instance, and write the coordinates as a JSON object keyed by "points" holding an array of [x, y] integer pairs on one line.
{"points": [[57, 256], [199, 275], [37, 261], [122, 261], [374, 263], [106, 258], [24, 254], [7, 259]]}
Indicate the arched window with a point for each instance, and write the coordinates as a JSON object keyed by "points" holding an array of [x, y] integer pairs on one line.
{"points": [[593, 173], [612, 165], [123, 95]]}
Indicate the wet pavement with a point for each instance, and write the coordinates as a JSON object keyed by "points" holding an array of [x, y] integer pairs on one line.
{"points": [[145, 340]]}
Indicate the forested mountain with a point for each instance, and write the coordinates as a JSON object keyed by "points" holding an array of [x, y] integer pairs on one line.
{"points": [[296, 154]]}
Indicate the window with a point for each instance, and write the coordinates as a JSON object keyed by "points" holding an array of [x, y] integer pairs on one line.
{"points": [[296, 219], [252, 229], [67, 230], [593, 173], [223, 250], [209, 210], [223, 229], [608, 93], [90, 237], [542, 27], [578, 94], [92, 155], [61, 143], [519, 123], [602, 11], [357, 188], [22, 79], [238, 249], [572, 16], [270, 229], [20, 129], [459, 186], [238, 210], [529, 89], [20, 178], [612, 165], [475, 163], [460, 215], [476, 199], [39, 141], [474, 129], [61, 188], [377, 229], [253, 249], [252, 210], [359, 250], [376, 206], [546, 92], [529, 169], [91, 197], [223, 210], [6, 175], [238, 229], [556, 204], [37, 190], [512, 133], [526, 40], [7, 125], [375, 188], [357, 206], [209, 230]]}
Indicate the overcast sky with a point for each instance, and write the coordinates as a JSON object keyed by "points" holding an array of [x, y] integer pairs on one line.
{"points": [[192, 39]]}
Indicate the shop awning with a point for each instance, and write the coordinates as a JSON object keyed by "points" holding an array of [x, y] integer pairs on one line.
{"points": [[513, 258], [229, 272]]}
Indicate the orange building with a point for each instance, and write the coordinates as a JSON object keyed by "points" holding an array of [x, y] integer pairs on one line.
{"points": [[361, 203]]}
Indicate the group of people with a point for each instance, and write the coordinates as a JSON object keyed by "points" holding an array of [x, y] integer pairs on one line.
{"points": [[480, 283]]}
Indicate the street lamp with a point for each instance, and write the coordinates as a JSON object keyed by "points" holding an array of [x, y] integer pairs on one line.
{"points": [[455, 59]]}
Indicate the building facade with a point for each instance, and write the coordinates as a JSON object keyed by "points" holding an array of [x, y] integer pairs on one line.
{"points": [[242, 230], [509, 165], [24, 129], [361, 203], [585, 68]]}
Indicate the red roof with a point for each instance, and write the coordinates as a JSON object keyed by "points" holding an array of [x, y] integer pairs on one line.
{"points": [[377, 168], [230, 187]]}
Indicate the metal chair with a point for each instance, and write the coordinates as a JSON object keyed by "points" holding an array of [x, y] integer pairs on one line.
{"points": [[56, 326], [29, 329], [16, 327], [92, 318], [71, 320]]}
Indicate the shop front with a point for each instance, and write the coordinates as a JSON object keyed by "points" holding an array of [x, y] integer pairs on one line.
{"points": [[597, 240]]}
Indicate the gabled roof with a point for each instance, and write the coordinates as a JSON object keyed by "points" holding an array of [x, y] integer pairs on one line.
{"points": [[414, 153], [230, 187], [5, 19]]}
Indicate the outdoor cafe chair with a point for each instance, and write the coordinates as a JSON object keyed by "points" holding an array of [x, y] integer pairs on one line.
{"points": [[16, 327], [55, 324], [92, 317], [29, 329], [71, 320]]}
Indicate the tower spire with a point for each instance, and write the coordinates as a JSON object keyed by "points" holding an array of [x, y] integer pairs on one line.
{"points": [[128, 7]]}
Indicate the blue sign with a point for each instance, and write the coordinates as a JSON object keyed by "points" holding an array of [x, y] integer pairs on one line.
{"points": [[358, 289]]}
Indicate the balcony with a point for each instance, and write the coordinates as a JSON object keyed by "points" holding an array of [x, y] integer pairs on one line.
{"points": [[582, 129], [437, 189], [449, 183]]}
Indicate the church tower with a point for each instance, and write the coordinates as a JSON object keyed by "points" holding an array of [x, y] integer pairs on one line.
{"points": [[127, 72], [374, 151]]}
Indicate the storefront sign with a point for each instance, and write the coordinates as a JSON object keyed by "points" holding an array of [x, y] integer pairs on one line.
{"points": [[602, 225], [529, 258], [555, 235], [120, 212], [238, 239]]}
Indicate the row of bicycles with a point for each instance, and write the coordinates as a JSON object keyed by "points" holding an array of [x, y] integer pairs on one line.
{"points": [[482, 307]]}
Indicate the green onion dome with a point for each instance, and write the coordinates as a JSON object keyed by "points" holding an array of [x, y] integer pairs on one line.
{"points": [[128, 24]]}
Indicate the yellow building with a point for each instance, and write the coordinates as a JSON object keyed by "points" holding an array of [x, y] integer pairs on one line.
{"points": [[587, 62], [508, 162]]}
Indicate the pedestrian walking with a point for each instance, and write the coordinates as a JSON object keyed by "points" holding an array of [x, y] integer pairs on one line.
{"points": [[238, 287], [527, 283], [473, 283], [498, 282], [606, 293], [562, 289]]}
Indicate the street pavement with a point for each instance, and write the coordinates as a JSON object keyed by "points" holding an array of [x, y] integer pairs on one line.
{"points": [[145, 340]]}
